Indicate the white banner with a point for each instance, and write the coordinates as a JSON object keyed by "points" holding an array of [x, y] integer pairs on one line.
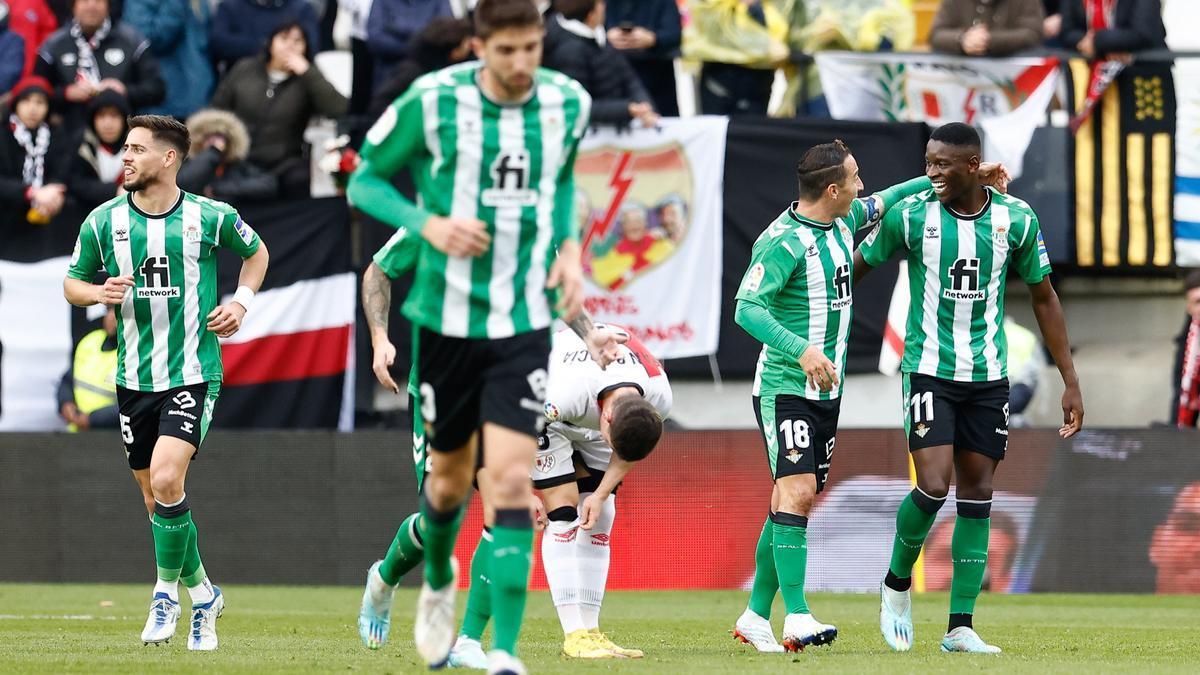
{"points": [[35, 339], [1007, 98], [649, 204], [1187, 163]]}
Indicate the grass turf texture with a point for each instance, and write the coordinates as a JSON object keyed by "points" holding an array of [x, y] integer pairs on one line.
{"points": [[95, 628]]}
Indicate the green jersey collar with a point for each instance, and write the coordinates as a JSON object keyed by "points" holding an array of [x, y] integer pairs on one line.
{"points": [[801, 220]]}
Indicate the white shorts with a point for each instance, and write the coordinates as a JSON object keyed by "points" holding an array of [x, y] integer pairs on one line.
{"points": [[559, 446]]}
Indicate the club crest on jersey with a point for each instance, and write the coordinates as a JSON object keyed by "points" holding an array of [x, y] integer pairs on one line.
{"points": [[1000, 235], [192, 232], [754, 278], [921, 429], [510, 181], [794, 455]]}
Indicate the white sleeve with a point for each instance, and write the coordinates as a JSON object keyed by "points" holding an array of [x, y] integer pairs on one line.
{"points": [[569, 380], [658, 393]]}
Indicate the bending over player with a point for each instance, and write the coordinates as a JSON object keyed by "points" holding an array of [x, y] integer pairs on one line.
{"points": [[602, 422]]}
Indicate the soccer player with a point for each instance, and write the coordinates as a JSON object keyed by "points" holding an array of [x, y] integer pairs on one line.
{"points": [[158, 245], [796, 299], [491, 145], [603, 421], [960, 241]]}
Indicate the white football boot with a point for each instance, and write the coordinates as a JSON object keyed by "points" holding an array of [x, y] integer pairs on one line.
{"points": [[160, 625], [964, 639], [895, 618], [756, 632], [435, 628], [803, 630]]}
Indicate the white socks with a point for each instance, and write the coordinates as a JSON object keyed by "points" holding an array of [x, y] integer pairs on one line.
{"points": [[171, 588], [202, 593], [592, 554], [562, 574]]}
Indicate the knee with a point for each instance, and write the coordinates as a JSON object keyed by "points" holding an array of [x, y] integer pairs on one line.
{"points": [[935, 487], [796, 498], [167, 485], [511, 484], [978, 492]]}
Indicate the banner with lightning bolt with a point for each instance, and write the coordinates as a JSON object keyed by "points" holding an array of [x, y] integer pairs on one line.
{"points": [[649, 202], [1006, 98]]}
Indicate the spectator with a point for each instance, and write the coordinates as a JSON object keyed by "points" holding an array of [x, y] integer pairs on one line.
{"points": [[87, 393], [276, 94], [92, 53], [391, 27], [1026, 361], [576, 45], [363, 74], [986, 27], [31, 165], [216, 166], [12, 50], [444, 41], [178, 35], [96, 169], [1185, 405], [648, 33], [33, 21], [740, 44], [240, 27], [61, 10], [1099, 29], [1052, 24]]}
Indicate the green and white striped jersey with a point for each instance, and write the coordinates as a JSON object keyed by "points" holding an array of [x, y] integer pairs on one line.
{"points": [[957, 265], [800, 271], [162, 339], [511, 166]]}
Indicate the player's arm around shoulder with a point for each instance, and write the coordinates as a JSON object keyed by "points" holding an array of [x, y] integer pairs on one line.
{"points": [[888, 236]]}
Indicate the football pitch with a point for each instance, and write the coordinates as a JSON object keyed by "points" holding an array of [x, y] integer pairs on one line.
{"points": [[95, 628]]}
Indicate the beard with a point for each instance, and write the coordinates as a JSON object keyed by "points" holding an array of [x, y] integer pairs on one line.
{"points": [[136, 184]]}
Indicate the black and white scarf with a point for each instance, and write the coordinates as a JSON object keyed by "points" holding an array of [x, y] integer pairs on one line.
{"points": [[34, 169], [86, 65]]}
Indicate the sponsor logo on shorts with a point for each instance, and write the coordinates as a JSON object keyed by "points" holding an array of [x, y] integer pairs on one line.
{"points": [[186, 427], [600, 540], [921, 429], [169, 292], [1002, 432], [566, 537], [181, 413]]}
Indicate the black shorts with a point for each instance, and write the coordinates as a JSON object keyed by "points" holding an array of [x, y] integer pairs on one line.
{"points": [[182, 412], [799, 434], [967, 415], [466, 382]]}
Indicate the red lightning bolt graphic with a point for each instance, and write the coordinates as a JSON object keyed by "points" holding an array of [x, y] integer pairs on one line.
{"points": [[619, 183], [969, 106]]}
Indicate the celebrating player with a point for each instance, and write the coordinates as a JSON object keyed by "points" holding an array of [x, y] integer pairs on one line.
{"points": [[960, 241], [491, 144], [796, 299], [602, 422], [157, 243]]}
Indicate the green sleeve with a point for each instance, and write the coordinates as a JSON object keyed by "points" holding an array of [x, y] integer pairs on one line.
{"points": [[566, 222], [393, 142], [234, 233], [87, 258], [399, 255], [893, 195], [772, 264], [1030, 258], [884, 240]]}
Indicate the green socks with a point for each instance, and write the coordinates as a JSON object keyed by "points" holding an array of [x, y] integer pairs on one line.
{"points": [[969, 551], [192, 572], [171, 526], [479, 597], [439, 530], [405, 552], [790, 542], [512, 553], [766, 581], [913, 520]]}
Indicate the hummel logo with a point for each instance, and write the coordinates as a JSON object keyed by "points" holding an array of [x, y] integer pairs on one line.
{"points": [[186, 427]]}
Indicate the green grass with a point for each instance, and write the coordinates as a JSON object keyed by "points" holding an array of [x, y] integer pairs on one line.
{"points": [[94, 628]]}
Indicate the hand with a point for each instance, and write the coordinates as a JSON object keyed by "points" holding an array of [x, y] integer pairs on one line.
{"points": [[975, 40], [643, 112], [1072, 405], [818, 368], [69, 412], [567, 275], [1051, 26], [82, 421], [49, 199], [641, 38], [994, 174], [589, 510], [113, 84], [602, 345], [217, 141], [113, 290], [620, 39], [537, 512], [457, 237], [78, 92], [1087, 46], [225, 320], [385, 356], [296, 63]]}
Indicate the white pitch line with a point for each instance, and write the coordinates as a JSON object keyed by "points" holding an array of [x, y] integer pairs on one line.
{"points": [[59, 617]]}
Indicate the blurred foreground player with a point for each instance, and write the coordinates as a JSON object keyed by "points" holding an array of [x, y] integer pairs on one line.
{"points": [[158, 245]]}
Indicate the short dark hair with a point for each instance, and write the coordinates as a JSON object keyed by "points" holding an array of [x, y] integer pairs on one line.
{"points": [[821, 166], [166, 129], [574, 9], [495, 15], [285, 27], [444, 34], [1191, 281], [957, 133], [635, 428]]}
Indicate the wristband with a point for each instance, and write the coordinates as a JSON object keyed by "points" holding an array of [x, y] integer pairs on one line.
{"points": [[243, 296]]}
